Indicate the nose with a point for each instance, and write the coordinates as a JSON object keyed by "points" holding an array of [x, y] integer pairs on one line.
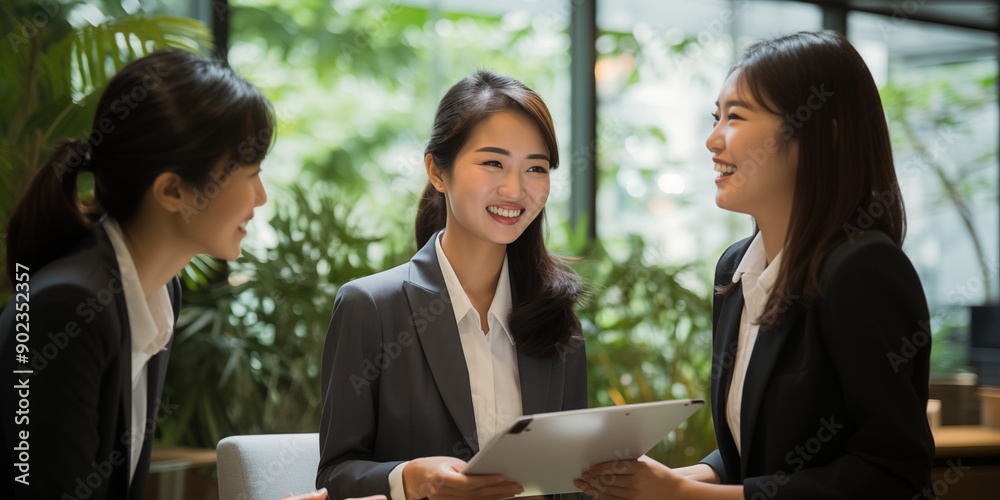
{"points": [[259, 193], [716, 141], [511, 188]]}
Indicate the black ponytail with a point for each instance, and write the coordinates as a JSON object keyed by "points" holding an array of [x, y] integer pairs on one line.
{"points": [[49, 216]]}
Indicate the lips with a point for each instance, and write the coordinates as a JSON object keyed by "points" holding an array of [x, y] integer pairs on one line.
{"points": [[243, 225], [505, 214]]}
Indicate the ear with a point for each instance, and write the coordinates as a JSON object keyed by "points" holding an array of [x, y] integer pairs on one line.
{"points": [[434, 174], [170, 192]]}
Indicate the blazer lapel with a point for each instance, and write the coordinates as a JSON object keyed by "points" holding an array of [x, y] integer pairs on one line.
{"points": [[727, 333], [434, 319], [535, 378], [124, 428], [765, 353]]}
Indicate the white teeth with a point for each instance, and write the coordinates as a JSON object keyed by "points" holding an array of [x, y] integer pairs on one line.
{"points": [[504, 212], [243, 225], [725, 169]]}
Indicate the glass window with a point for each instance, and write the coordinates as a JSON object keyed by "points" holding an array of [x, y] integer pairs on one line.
{"points": [[938, 86]]}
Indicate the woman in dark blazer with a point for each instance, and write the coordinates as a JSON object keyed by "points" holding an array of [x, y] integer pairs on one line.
{"points": [[426, 361], [821, 333], [175, 153]]}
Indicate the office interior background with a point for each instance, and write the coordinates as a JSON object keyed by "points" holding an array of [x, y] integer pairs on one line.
{"points": [[631, 85]]}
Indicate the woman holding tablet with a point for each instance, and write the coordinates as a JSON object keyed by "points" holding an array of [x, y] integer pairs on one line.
{"points": [[813, 394], [425, 362], [175, 152]]}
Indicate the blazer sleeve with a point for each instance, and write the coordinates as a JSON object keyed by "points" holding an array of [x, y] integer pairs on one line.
{"points": [[350, 384], [874, 325], [71, 345], [714, 460]]}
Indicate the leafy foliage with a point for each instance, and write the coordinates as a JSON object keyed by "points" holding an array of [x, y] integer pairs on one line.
{"points": [[53, 77]]}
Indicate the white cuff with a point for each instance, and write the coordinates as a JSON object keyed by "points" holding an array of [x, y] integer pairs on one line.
{"points": [[396, 491]]}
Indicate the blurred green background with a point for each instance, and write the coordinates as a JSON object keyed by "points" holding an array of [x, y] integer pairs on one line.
{"points": [[355, 85]]}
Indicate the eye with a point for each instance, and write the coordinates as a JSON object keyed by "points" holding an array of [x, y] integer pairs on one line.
{"points": [[492, 163], [715, 117], [539, 169], [734, 116]]}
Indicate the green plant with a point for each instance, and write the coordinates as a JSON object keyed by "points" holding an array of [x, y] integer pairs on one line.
{"points": [[53, 75], [648, 338], [247, 351], [924, 120], [248, 344]]}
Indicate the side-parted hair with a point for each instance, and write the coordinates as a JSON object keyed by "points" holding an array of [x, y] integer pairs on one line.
{"points": [[170, 111], [824, 92], [542, 319]]}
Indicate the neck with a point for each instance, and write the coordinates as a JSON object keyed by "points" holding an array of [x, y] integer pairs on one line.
{"points": [[773, 230], [477, 263], [155, 253]]}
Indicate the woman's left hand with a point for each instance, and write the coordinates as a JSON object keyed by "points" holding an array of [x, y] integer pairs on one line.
{"points": [[640, 479]]}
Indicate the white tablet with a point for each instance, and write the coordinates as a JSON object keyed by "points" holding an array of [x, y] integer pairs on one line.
{"points": [[544, 453]]}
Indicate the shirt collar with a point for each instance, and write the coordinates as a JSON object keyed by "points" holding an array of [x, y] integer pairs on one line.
{"points": [[755, 262], [151, 320], [502, 304]]}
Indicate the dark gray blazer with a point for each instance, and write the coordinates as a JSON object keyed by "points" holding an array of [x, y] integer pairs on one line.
{"points": [[81, 390], [395, 385], [835, 399]]}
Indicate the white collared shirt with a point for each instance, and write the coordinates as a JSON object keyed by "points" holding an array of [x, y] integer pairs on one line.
{"points": [[151, 322], [758, 279], [491, 358]]}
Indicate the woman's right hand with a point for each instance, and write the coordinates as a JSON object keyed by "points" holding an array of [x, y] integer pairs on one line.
{"points": [[441, 478]]}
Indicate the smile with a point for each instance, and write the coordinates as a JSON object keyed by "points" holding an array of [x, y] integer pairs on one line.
{"points": [[503, 212], [725, 170]]}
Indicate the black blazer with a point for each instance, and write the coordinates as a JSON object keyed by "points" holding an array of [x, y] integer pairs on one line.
{"points": [[834, 403], [395, 384], [80, 394]]}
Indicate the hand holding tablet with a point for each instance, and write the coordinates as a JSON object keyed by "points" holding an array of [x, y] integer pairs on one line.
{"points": [[544, 453]]}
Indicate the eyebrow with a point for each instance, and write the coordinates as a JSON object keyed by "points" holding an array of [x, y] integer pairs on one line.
{"points": [[737, 102], [502, 151]]}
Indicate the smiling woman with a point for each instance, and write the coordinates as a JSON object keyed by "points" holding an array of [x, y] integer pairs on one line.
{"points": [[481, 317], [173, 178]]}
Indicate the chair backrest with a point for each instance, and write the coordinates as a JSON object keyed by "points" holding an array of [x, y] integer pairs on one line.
{"points": [[267, 466]]}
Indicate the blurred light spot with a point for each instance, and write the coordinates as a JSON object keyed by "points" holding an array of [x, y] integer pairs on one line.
{"points": [[671, 183], [444, 27]]}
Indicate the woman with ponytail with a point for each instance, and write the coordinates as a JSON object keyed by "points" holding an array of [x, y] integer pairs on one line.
{"points": [[424, 363], [175, 152]]}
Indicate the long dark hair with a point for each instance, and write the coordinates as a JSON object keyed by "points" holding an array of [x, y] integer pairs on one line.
{"points": [[170, 111], [542, 319], [846, 180]]}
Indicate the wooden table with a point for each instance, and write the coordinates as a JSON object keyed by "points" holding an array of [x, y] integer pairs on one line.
{"points": [[172, 475], [966, 462]]}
